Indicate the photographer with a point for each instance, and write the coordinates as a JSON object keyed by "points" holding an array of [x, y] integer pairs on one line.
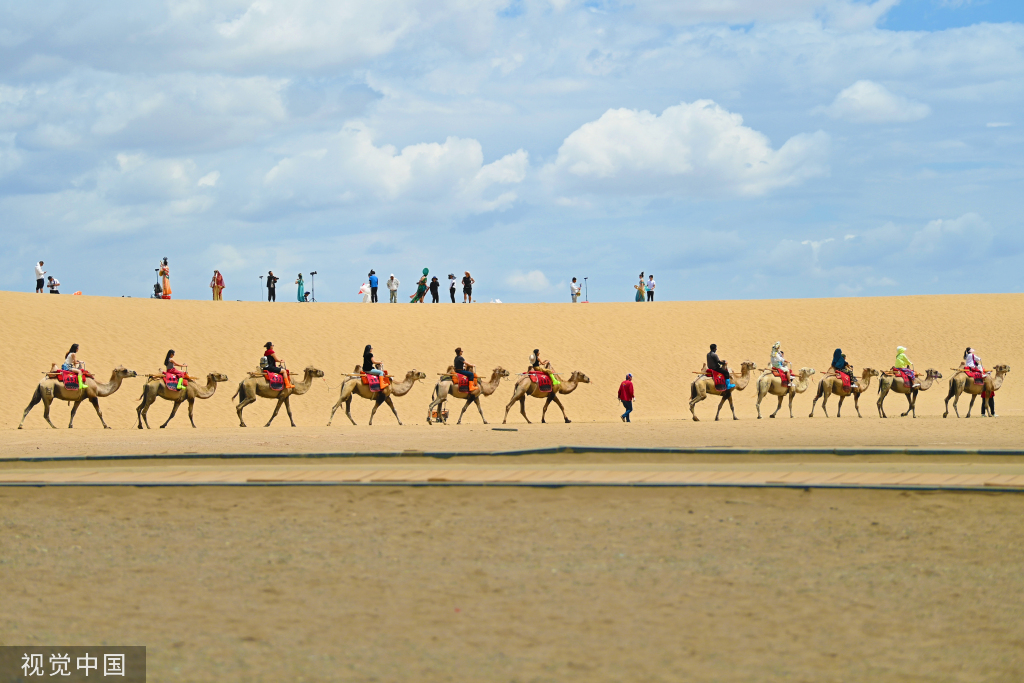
{"points": [[271, 286]]}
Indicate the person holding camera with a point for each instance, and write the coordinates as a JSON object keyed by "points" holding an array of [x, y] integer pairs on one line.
{"points": [[272, 286]]}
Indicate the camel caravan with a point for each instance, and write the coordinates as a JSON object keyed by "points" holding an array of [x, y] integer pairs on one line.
{"points": [[71, 382]]}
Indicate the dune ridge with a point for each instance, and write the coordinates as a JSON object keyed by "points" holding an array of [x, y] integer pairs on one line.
{"points": [[662, 344]]}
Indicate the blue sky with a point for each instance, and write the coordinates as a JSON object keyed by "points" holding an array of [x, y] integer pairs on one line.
{"points": [[741, 149]]}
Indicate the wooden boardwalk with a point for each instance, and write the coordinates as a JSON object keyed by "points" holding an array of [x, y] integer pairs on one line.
{"points": [[893, 475]]}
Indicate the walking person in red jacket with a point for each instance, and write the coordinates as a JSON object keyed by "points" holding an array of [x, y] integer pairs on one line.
{"points": [[626, 396]]}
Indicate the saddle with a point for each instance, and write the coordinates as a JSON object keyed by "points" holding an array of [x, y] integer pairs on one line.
{"points": [[844, 378], [541, 379], [783, 375], [175, 381], [274, 379], [465, 384], [718, 378], [976, 375], [374, 382], [904, 375], [70, 379]]}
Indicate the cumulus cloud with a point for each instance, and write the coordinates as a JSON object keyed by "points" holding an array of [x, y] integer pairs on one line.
{"points": [[870, 102], [690, 149], [350, 168], [969, 233], [533, 281]]}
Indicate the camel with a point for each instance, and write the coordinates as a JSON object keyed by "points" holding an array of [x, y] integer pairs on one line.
{"points": [[353, 386], [252, 387], [703, 386], [157, 388], [830, 384], [527, 387], [960, 383], [896, 383], [446, 388], [50, 389], [768, 383]]}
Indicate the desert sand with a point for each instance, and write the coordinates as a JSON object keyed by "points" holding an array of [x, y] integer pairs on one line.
{"points": [[662, 344], [393, 583]]}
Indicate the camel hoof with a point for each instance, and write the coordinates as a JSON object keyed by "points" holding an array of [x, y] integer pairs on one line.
{"points": [[759, 417], [567, 420], [19, 427], [695, 419], [162, 426]]}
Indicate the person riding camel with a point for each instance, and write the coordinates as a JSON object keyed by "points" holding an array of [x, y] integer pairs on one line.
{"points": [[839, 365], [169, 366], [779, 362], [718, 365], [462, 367], [905, 364], [372, 366], [972, 365], [275, 364], [72, 364], [539, 365]]}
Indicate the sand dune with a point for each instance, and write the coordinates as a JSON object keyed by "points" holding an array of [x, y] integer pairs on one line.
{"points": [[660, 343]]}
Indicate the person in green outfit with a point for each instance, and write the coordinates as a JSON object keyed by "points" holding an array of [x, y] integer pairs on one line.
{"points": [[302, 289], [421, 288], [904, 363]]}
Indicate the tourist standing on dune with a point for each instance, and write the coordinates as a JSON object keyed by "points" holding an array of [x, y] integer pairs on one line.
{"points": [[626, 396], [373, 286], [435, 286], [393, 288], [650, 288], [164, 271], [467, 288], [574, 290], [217, 285], [641, 288], [271, 286], [451, 286], [302, 289], [53, 284], [39, 278]]}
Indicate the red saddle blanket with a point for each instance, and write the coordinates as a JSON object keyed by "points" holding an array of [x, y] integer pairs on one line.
{"points": [[975, 375], [541, 379], [171, 380], [845, 379], [374, 382], [275, 380], [70, 379], [717, 377], [465, 384], [904, 375], [781, 374]]}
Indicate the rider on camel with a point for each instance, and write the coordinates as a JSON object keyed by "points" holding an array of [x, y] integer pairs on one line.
{"points": [[72, 364], [904, 363], [169, 366], [718, 365], [462, 367], [780, 363], [539, 365], [275, 364], [974, 369], [371, 366], [839, 364]]}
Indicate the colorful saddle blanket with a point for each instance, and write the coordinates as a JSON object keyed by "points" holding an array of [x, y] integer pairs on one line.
{"points": [[904, 374], [175, 381], [374, 382], [718, 378], [70, 379], [465, 384], [976, 375], [541, 379], [783, 375], [276, 380], [845, 379]]}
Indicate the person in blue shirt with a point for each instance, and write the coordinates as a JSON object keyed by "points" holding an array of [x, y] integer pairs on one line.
{"points": [[373, 286]]}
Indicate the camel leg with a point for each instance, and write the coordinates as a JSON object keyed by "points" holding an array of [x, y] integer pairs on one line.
{"points": [[910, 404], [883, 391], [779, 407], [759, 397], [522, 408], [99, 413], [856, 404], [476, 400], [792, 395], [74, 409], [242, 404], [970, 406], [824, 399], [376, 404], [558, 403], [949, 395], [463, 412], [732, 406], [348, 409], [334, 410], [820, 394], [516, 396], [839, 408], [277, 409], [697, 394], [37, 396], [288, 409], [191, 407], [436, 404], [174, 409], [391, 404]]}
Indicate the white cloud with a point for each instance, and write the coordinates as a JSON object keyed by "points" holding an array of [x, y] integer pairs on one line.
{"points": [[870, 102], [209, 180], [690, 149], [963, 236], [998, 124], [451, 177], [533, 281]]}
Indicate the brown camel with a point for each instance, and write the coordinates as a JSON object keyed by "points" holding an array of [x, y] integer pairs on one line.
{"points": [[830, 384], [252, 387], [50, 389], [527, 387], [353, 386], [446, 387], [960, 383], [768, 383], [896, 383], [704, 386], [156, 387]]}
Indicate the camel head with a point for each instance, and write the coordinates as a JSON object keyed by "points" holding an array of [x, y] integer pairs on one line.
{"points": [[1001, 369], [806, 372], [580, 377], [124, 372], [932, 373], [313, 372], [217, 377], [747, 366], [414, 375], [870, 372]]}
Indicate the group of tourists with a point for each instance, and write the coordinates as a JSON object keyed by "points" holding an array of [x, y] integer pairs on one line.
{"points": [[50, 282], [433, 285], [645, 289]]}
